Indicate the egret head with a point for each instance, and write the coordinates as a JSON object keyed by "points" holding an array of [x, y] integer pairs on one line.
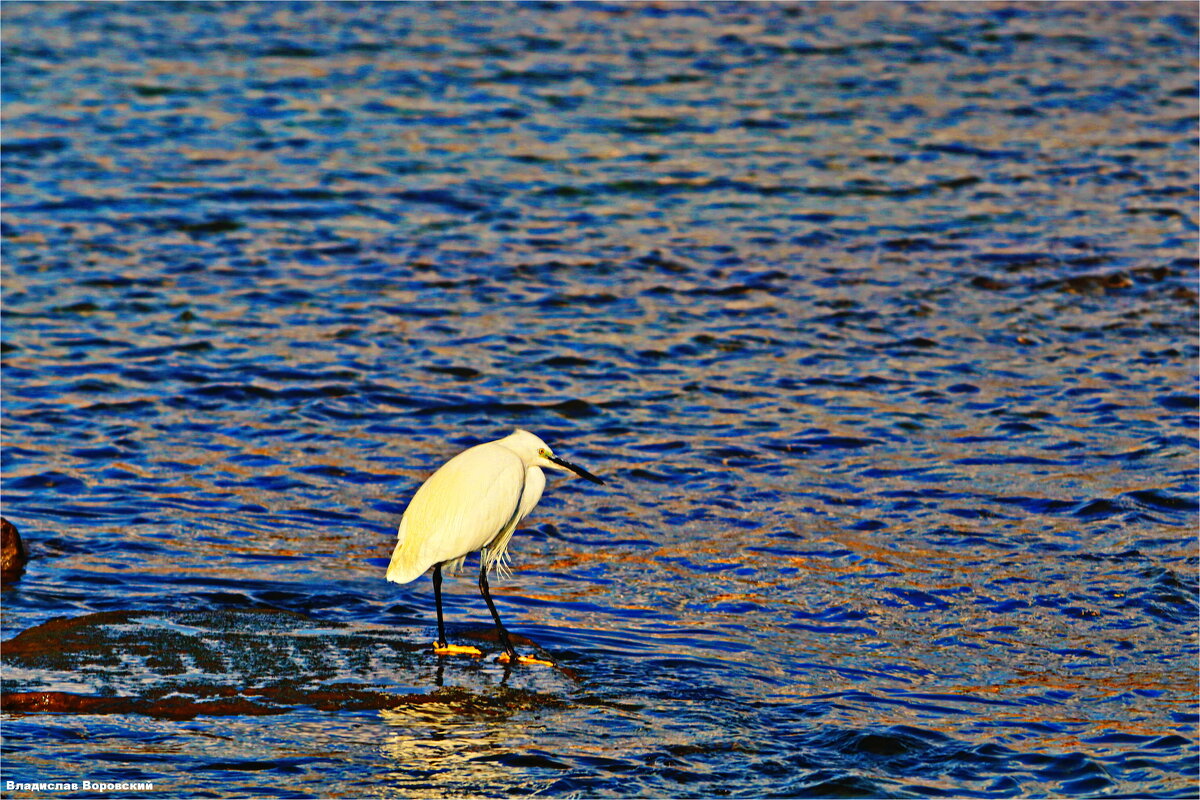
{"points": [[536, 453]]}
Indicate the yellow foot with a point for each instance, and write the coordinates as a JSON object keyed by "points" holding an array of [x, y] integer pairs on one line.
{"points": [[457, 650], [504, 659]]}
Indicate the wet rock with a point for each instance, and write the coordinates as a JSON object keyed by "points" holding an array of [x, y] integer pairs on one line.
{"points": [[13, 556], [178, 708], [227, 701], [229, 662]]}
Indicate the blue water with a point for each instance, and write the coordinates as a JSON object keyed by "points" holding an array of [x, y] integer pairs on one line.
{"points": [[879, 320]]}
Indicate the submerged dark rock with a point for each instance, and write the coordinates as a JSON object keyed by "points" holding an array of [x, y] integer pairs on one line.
{"points": [[179, 708], [228, 701], [233, 662]]}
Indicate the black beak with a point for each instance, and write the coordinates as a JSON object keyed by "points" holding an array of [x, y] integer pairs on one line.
{"points": [[580, 471]]}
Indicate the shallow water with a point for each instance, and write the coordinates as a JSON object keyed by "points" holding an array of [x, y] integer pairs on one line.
{"points": [[879, 320]]}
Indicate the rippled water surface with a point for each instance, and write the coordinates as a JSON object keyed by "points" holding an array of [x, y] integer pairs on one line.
{"points": [[879, 320]]}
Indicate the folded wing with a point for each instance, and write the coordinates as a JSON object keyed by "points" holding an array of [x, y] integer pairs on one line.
{"points": [[462, 507]]}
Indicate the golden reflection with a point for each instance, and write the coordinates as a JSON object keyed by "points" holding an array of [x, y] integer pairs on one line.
{"points": [[430, 745]]}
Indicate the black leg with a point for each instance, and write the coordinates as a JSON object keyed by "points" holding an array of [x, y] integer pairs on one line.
{"points": [[437, 599], [483, 587]]}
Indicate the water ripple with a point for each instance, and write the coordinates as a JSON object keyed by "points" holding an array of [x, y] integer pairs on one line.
{"points": [[878, 320]]}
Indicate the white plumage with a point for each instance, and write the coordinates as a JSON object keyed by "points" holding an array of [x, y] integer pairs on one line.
{"points": [[472, 503]]}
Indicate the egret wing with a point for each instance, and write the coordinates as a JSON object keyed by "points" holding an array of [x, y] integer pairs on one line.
{"points": [[463, 506]]}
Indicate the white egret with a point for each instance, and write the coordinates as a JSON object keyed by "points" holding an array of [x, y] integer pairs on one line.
{"points": [[474, 502]]}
